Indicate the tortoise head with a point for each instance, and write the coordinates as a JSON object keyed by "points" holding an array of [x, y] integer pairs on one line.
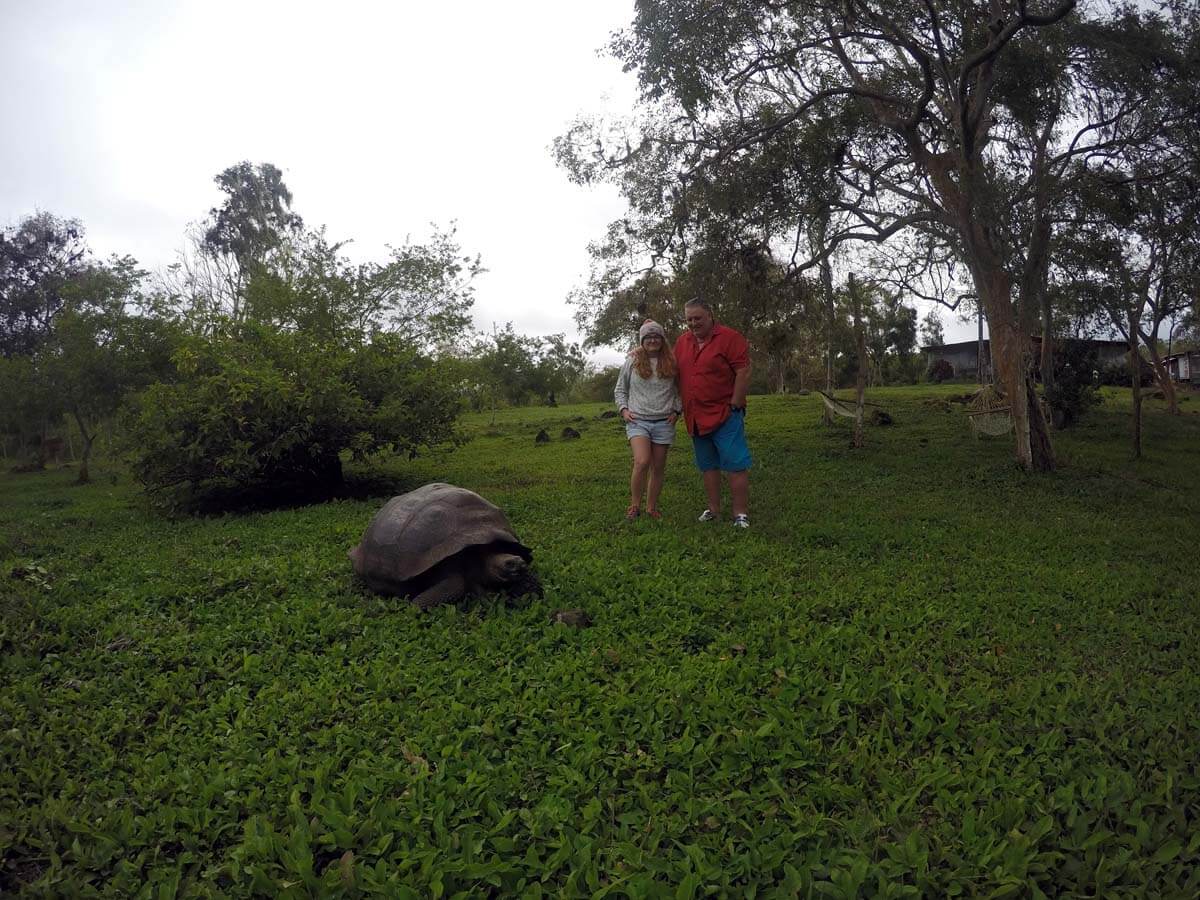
{"points": [[512, 573], [504, 568]]}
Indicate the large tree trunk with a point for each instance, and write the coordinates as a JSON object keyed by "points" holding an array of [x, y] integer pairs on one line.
{"points": [[1047, 361], [1010, 356], [830, 318], [860, 344], [84, 476], [88, 439], [1135, 381], [961, 192], [1163, 378]]}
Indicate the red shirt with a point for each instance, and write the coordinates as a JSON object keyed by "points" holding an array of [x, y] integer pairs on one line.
{"points": [[706, 376]]}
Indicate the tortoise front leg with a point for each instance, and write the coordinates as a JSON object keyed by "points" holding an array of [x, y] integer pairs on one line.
{"points": [[452, 587]]}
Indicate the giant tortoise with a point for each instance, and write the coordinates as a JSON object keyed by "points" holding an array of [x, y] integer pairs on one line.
{"points": [[441, 543]]}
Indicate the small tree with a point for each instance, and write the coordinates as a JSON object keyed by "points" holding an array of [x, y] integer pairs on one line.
{"points": [[514, 367], [38, 260], [99, 352], [317, 358], [932, 333], [277, 409]]}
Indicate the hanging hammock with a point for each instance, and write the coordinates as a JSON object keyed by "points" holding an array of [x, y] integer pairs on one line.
{"points": [[837, 407], [987, 413], [841, 407]]}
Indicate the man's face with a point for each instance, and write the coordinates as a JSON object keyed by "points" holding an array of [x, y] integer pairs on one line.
{"points": [[699, 321]]}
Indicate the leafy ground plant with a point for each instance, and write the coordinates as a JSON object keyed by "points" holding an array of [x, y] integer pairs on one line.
{"points": [[921, 673]]}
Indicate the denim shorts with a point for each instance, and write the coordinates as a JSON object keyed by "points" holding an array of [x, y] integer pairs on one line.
{"points": [[660, 431], [725, 448]]}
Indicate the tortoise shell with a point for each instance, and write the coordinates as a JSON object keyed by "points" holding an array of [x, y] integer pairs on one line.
{"points": [[416, 531]]}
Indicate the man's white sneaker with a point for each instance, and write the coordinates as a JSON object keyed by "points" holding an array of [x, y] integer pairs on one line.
{"points": [[707, 516], [741, 521]]}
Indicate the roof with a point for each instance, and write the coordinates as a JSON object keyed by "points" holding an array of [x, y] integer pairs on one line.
{"points": [[962, 345], [1192, 351]]}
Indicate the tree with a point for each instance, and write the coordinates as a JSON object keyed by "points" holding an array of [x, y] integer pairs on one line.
{"points": [[514, 367], [30, 406], [1134, 257], [256, 218], [891, 332], [101, 352], [242, 238], [612, 318], [38, 259], [276, 410], [425, 291], [317, 359], [932, 333], [558, 368], [953, 126]]}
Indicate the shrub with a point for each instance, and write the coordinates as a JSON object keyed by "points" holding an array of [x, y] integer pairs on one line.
{"points": [[940, 370], [1073, 389], [596, 386], [276, 410]]}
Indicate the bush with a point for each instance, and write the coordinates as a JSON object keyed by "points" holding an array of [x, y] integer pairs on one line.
{"points": [[277, 410], [596, 386], [1073, 389], [1118, 376], [940, 371]]}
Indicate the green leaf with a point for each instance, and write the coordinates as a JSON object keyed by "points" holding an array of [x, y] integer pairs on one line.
{"points": [[1168, 851]]}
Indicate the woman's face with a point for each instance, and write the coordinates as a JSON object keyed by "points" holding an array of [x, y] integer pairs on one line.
{"points": [[653, 343]]}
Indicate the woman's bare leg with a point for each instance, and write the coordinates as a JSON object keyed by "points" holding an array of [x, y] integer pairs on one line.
{"points": [[658, 468], [641, 469]]}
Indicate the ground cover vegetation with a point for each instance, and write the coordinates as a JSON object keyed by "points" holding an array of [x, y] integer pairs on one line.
{"points": [[876, 691], [923, 672]]}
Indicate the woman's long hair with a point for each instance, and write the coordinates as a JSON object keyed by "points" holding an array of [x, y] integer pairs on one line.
{"points": [[666, 361]]}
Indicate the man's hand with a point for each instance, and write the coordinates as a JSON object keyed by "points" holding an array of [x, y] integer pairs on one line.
{"points": [[741, 387], [627, 415]]}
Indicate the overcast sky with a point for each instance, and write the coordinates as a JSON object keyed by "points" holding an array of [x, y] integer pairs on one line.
{"points": [[384, 117]]}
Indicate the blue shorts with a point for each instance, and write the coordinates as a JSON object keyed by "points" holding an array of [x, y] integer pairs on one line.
{"points": [[659, 432], [725, 448]]}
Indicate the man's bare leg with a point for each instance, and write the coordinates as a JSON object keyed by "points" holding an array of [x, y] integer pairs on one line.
{"points": [[712, 490], [739, 492]]}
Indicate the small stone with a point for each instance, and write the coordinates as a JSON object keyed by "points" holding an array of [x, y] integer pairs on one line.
{"points": [[576, 618], [569, 433], [542, 437]]}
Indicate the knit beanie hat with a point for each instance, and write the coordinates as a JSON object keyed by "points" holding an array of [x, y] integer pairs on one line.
{"points": [[648, 328]]}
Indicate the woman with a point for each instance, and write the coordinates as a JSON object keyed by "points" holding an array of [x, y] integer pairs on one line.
{"points": [[648, 398]]}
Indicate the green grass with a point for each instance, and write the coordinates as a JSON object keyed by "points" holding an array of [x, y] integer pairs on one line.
{"points": [[922, 672]]}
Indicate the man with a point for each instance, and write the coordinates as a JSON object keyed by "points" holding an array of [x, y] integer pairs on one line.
{"points": [[714, 375]]}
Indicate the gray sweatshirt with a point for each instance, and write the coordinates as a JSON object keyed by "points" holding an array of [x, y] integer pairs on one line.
{"points": [[646, 398]]}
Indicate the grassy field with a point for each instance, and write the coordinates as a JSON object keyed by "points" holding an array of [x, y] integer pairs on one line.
{"points": [[921, 673]]}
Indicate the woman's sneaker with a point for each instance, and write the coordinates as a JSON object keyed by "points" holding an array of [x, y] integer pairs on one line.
{"points": [[741, 521], [707, 516]]}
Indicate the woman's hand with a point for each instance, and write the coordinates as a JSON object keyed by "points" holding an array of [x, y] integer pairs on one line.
{"points": [[627, 415], [672, 418]]}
